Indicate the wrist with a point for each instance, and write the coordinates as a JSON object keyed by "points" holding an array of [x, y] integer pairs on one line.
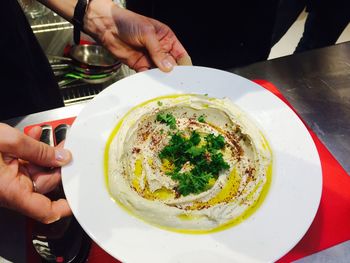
{"points": [[78, 19], [98, 17]]}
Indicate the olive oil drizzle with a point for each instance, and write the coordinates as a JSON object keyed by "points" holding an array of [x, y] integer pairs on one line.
{"points": [[228, 191]]}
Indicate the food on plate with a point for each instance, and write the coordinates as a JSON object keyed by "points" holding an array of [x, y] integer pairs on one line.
{"points": [[188, 163]]}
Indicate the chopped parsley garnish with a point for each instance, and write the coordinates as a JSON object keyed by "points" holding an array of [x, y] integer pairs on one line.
{"points": [[205, 160], [215, 142], [201, 118], [189, 183], [159, 103], [168, 119]]}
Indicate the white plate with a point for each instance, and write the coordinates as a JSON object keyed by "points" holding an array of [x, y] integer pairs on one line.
{"points": [[274, 229]]}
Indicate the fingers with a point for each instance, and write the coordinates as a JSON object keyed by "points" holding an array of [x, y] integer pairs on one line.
{"points": [[35, 132], [184, 61], [45, 181], [41, 208], [15, 143], [17, 193], [16, 188], [169, 41], [163, 60], [2, 161]]}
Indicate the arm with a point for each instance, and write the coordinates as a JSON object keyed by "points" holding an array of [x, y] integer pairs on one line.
{"points": [[138, 41]]}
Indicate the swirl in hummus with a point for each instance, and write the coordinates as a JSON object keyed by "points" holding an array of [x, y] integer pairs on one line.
{"points": [[188, 163]]}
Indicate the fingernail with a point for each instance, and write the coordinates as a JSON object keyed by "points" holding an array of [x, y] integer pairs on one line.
{"points": [[61, 155], [50, 221], [167, 64]]}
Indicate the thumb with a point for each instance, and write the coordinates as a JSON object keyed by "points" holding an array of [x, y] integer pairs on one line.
{"points": [[163, 60], [15, 143]]}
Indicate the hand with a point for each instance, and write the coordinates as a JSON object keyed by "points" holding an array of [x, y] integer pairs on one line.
{"points": [[24, 160], [138, 41]]}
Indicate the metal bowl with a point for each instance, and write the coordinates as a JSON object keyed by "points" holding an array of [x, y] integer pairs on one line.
{"points": [[93, 56]]}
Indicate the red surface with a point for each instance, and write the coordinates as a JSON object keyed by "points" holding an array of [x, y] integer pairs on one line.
{"points": [[54, 124], [331, 225]]}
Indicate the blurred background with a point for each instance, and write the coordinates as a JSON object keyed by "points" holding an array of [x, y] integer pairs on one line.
{"points": [[289, 41]]}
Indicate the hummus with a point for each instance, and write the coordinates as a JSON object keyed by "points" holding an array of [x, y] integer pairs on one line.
{"points": [[227, 163]]}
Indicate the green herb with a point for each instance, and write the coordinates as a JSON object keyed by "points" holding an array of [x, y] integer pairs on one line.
{"points": [[189, 183], [206, 160], [168, 119], [195, 138], [201, 118], [159, 103], [215, 142], [217, 164], [195, 151]]}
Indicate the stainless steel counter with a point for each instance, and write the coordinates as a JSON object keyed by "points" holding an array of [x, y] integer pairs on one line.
{"points": [[316, 83]]}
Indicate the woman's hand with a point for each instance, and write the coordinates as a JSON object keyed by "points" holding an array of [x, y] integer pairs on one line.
{"points": [[24, 160], [138, 41]]}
